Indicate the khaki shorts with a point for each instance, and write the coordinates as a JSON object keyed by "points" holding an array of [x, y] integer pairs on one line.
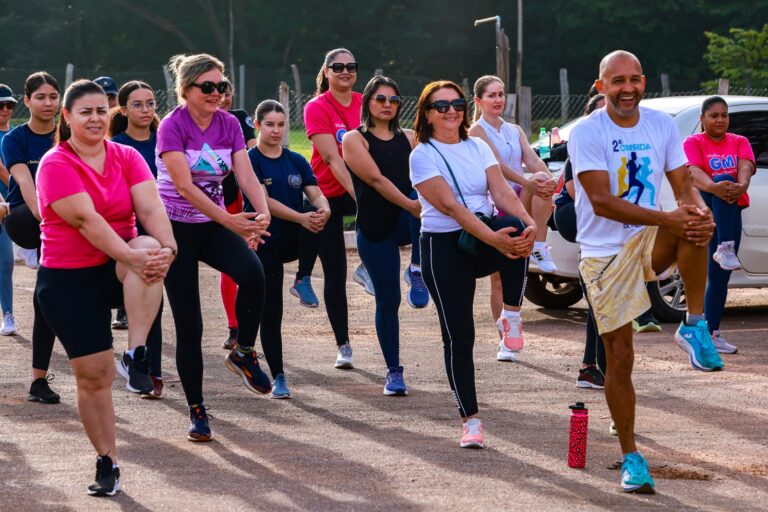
{"points": [[616, 284]]}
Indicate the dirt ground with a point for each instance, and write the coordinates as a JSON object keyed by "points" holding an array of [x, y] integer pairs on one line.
{"points": [[341, 445]]}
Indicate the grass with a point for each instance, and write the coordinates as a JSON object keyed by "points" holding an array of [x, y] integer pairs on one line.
{"points": [[298, 141]]}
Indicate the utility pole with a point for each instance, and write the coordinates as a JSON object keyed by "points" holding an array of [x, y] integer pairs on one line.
{"points": [[519, 65]]}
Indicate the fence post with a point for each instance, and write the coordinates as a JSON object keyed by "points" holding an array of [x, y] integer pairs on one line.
{"points": [[241, 88], [510, 107], [68, 75], [524, 110], [378, 71], [465, 86], [564, 96], [723, 84], [284, 96], [665, 90], [170, 94], [502, 56], [297, 90]]}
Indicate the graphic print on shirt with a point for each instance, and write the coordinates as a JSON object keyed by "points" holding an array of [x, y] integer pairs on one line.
{"points": [[340, 134], [207, 162], [634, 176], [722, 164]]}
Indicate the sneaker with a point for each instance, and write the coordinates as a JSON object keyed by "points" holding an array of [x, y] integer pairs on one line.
{"points": [[697, 342], [511, 333], [394, 385], [418, 295], [136, 371], [28, 257], [9, 325], [361, 277], [725, 256], [636, 475], [590, 377], [247, 367], [120, 322], [612, 429], [504, 354], [280, 387], [303, 290], [157, 389], [41, 392], [472, 434], [344, 357], [721, 344], [542, 259], [199, 431], [646, 323], [107, 478], [232, 340]]}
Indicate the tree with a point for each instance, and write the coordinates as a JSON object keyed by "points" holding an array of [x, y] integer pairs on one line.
{"points": [[741, 58]]}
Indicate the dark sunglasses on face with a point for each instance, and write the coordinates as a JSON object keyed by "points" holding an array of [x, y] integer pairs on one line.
{"points": [[208, 87], [338, 67], [7, 105], [381, 100], [442, 106]]}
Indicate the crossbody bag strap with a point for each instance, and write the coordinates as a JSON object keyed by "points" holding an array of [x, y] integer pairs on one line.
{"points": [[450, 171]]}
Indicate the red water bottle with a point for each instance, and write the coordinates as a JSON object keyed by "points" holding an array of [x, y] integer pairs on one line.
{"points": [[577, 442]]}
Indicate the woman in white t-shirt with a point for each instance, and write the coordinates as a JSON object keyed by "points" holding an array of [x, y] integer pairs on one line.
{"points": [[454, 175]]}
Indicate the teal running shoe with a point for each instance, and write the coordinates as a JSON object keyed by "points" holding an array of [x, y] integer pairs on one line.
{"points": [[697, 342], [636, 475]]}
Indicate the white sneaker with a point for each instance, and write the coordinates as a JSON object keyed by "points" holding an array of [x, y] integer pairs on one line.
{"points": [[9, 325], [504, 354], [361, 277], [725, 256], [28, 256], [344, 357], [541, 257], [721, 344]]}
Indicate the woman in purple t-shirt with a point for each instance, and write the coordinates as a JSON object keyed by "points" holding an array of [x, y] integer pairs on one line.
{"points": [[198, 145]]}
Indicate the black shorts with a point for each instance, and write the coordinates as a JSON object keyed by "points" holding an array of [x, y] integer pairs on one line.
{"points": [[77, 303]]}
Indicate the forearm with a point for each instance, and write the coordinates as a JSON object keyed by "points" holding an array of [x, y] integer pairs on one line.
{"points": [[511, 175], [701, 179], [619, 210], [156, 224], [508, 201], [281, 211], [340, 172], [254, 192], [101, 235], [389, 191], [5, 176], [746, 170]]}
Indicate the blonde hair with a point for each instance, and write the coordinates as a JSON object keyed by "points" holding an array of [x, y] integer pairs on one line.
{"points": [[186, 68], [481, 84]]}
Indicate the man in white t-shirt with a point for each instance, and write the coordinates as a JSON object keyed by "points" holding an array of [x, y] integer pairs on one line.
{"points": [[620, 155]]}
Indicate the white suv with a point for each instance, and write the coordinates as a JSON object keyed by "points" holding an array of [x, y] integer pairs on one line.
{"points": [[748, 117]]}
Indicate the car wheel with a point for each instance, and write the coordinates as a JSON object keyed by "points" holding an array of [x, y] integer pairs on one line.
{"points": [[668, 299], [551, 291]]}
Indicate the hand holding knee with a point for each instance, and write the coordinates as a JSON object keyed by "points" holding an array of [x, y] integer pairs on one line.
{"points": [[691, 223]]}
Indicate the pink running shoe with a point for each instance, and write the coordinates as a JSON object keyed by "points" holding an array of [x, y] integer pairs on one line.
{"points": [[473, 434], [511, 333]]}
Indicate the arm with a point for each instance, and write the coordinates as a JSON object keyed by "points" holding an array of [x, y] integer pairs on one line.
{"points": [[571, 188], [531, 160], [329, 151], [504, 197], [151, 214], [361, 163], [23, 177], [4, 174], [703, 182], [477, 131]]}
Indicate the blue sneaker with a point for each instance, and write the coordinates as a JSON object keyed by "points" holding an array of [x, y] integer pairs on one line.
{"points": [[395, 385], [280, 387], [636, 475], [418, 295], [199, 430], [247, 367], [303, 290], [697, 342], [361, 277]]}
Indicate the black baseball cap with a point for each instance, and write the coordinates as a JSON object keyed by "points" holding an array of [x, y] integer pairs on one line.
{"points": [[6, 94], [108, 84]]}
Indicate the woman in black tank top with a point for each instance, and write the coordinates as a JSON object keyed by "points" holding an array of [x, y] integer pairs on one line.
{"points": [[377, 155]]}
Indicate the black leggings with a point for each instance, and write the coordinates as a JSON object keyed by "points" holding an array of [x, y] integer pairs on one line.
{"points": [[450, 275], [283, 250], [226, 252], [333, 256], [24, 230]]}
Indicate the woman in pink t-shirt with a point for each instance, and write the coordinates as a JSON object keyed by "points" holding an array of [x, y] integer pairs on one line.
{"points": [[721, 165], [90, 192]]}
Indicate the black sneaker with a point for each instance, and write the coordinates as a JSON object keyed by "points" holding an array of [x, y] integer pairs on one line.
{"points": [[646, 323], [199, 431], [136, 370], [107, 478], [120, 323], [41, 392], [590, 377], [232, 340], [247, 367]]}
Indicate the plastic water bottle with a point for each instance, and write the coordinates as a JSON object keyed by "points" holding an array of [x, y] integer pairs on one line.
{"points": [[577, 442], [556, 136], [544, 144]]}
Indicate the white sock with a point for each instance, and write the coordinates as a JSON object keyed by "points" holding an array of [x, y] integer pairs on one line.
{"points": [[539, 245], [473, 421], [130, 352], [415, 268], [512, 316]]}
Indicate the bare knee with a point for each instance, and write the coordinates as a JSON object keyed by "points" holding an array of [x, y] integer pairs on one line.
{"points": [[144, 242], [94, 375]]}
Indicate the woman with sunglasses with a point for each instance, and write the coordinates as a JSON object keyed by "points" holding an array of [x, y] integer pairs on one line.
{"points": [[456, 177], [233, 201], [198, 144], [287, 178], [387, 215], [22, 149], [134, 123], [510, 147], [7, 105], [90, 192], [334, 111]]}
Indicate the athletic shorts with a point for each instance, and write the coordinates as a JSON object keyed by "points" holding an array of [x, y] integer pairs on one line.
{"points": [[616, 284], [77, 304]]}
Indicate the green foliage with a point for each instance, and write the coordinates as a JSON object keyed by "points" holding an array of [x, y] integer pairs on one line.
{"points": [[742, 58]]}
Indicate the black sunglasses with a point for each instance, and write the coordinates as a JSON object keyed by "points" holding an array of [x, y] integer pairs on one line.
{"points": [[208, 87], [338, 67], [7, 105], [381, 99], [442, 106]]}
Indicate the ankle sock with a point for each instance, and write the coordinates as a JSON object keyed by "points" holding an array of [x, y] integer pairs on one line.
{"points": [[244, 350], [512, 316], [693, 319], [415, 268]]}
